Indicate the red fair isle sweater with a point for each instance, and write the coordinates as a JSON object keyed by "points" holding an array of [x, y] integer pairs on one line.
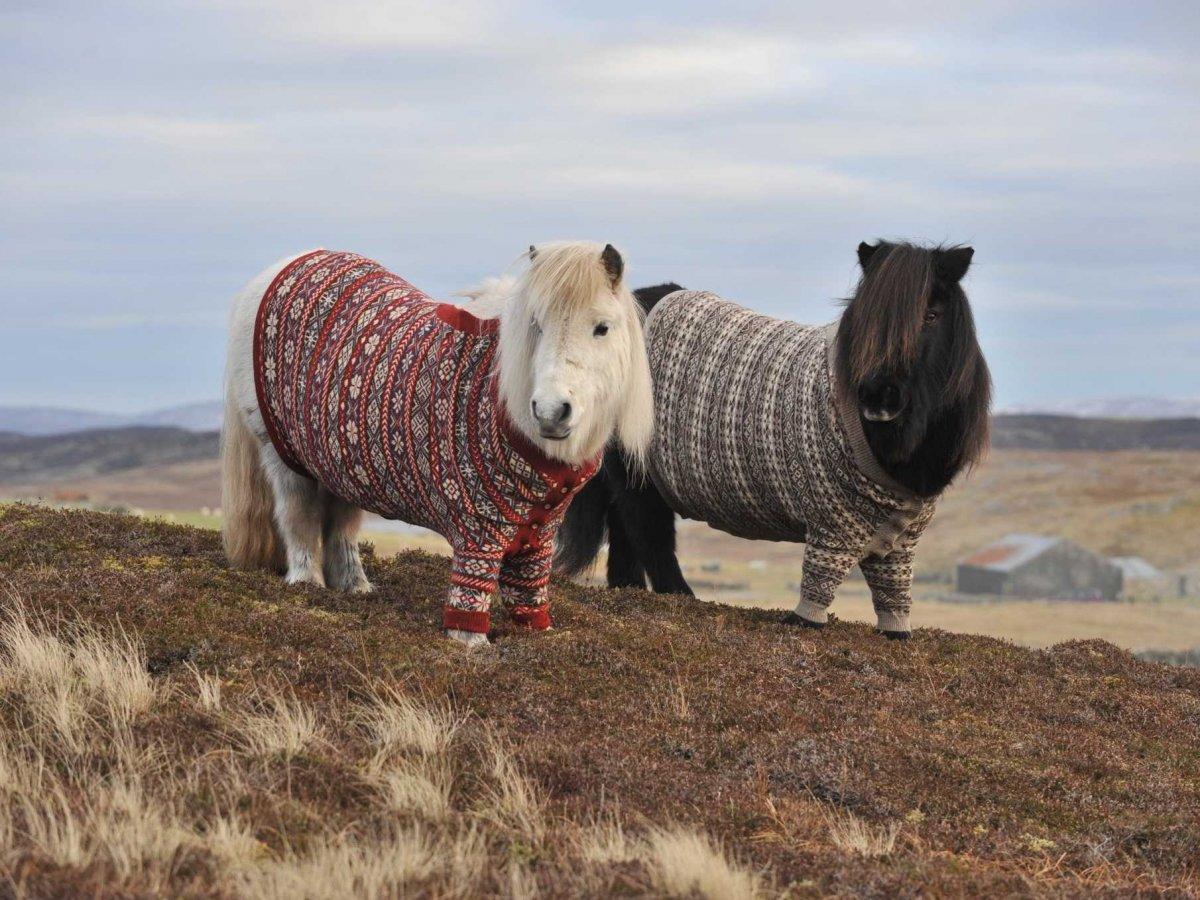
{"points": [[389, 400]]}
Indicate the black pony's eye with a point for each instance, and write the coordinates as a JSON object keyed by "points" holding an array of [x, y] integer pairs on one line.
{"points": [[931, 316], [600, 330]]}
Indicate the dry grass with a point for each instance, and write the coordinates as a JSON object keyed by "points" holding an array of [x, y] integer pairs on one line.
{"points": [[606, 841], [850, 834], [384, 865], [130, 808], [208, 690], [686, 864], [286, 728], [291, 748], [418, 787], [71, 682], [510, 801], [398, 723], [678, 862]]}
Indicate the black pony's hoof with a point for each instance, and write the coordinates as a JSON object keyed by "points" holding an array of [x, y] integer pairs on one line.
{"points": [[897, 635], [798, 620]]}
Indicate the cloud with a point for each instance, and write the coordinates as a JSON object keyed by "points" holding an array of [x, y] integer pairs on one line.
{"points": [[427, 25], [191, 135], [691, 72], [159, 154]]}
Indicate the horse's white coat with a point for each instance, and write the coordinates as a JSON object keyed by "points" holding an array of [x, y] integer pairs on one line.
{"points": [[549, 350]]}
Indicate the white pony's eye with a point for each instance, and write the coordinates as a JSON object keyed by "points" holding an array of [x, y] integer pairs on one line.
{"points": [[600, 330], [535, 327]]}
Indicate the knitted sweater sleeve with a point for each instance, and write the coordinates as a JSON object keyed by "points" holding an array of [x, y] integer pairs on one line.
{"points": [[890, 578], [474, 576], [524, 585], [826, 564]]}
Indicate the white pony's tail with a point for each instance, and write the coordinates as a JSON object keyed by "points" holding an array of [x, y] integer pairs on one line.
{"points": [[248, 524]]}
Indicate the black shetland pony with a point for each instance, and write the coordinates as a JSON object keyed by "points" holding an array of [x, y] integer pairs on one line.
{"points": [[906, 349]]}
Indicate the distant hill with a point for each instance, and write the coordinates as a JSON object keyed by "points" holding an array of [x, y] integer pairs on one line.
{"points": [[205, 416], [1135, 423], [33, 459], [45, 420], [1115, 408], [1050, 432], [26, 459], [34, 420]]}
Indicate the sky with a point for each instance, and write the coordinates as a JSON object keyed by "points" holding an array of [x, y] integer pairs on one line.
{"points": [[157, 155]]}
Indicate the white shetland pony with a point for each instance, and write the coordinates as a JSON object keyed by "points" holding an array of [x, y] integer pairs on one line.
{"points": [[569, 372]]}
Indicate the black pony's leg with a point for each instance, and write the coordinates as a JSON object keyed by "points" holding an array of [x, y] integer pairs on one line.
{"points": [[650, 528], [624, 567], [646, 526]]}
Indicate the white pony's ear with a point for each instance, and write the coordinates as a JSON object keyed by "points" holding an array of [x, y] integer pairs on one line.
{"points": [[635, 422], [610, 258]]}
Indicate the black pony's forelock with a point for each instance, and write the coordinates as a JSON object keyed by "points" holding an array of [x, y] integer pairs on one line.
{"points": [[945, 429], [882, 322]]}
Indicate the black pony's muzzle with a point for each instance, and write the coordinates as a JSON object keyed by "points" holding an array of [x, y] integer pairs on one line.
{"points": [[882, 399]]}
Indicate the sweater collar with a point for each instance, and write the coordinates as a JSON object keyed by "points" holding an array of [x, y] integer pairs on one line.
{"points": [[557, 472], [847, 412]]}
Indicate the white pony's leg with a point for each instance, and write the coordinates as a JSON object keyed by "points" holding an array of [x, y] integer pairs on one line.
{"points": [[297, 503], [468, 638], [343, 564], [299, 512]]}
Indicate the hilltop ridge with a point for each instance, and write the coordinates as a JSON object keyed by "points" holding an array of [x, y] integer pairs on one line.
{"points": [[994, 769]]}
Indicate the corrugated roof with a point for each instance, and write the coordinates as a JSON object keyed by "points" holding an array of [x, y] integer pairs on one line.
{"points": [[1011, 551], [1135, 567]]}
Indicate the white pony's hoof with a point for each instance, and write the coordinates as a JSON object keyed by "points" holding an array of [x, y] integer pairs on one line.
{"points": [[301, 577], [468, 638]]}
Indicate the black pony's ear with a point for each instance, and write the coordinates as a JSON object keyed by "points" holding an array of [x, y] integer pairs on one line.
{"points": [[952, 264], [532, 251], [865, 252], [613, 264]]}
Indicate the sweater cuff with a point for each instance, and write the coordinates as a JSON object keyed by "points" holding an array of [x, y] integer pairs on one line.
{"points": [[812, 612], [535, 618], [893, 620], [455, 619]]}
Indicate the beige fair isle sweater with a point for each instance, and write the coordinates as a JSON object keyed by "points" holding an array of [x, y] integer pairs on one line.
{"points": [[751, 437]]}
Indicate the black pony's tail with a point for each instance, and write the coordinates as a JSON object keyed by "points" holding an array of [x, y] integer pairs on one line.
{"points": [[584, 528]]}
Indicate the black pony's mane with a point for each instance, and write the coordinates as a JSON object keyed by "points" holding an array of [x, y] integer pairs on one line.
{"points": [[945, 428]]}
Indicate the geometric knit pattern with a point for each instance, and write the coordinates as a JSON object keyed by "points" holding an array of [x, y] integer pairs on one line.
{"points": [[389, 400], [751, 437]]}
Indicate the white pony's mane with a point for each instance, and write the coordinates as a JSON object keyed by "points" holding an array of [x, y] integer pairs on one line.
{"points": [[487, 299], [561, 279]]}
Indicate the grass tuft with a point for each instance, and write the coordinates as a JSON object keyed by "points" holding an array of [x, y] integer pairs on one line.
{"points": [[683, 863], [287, 728], [850, 834]]}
